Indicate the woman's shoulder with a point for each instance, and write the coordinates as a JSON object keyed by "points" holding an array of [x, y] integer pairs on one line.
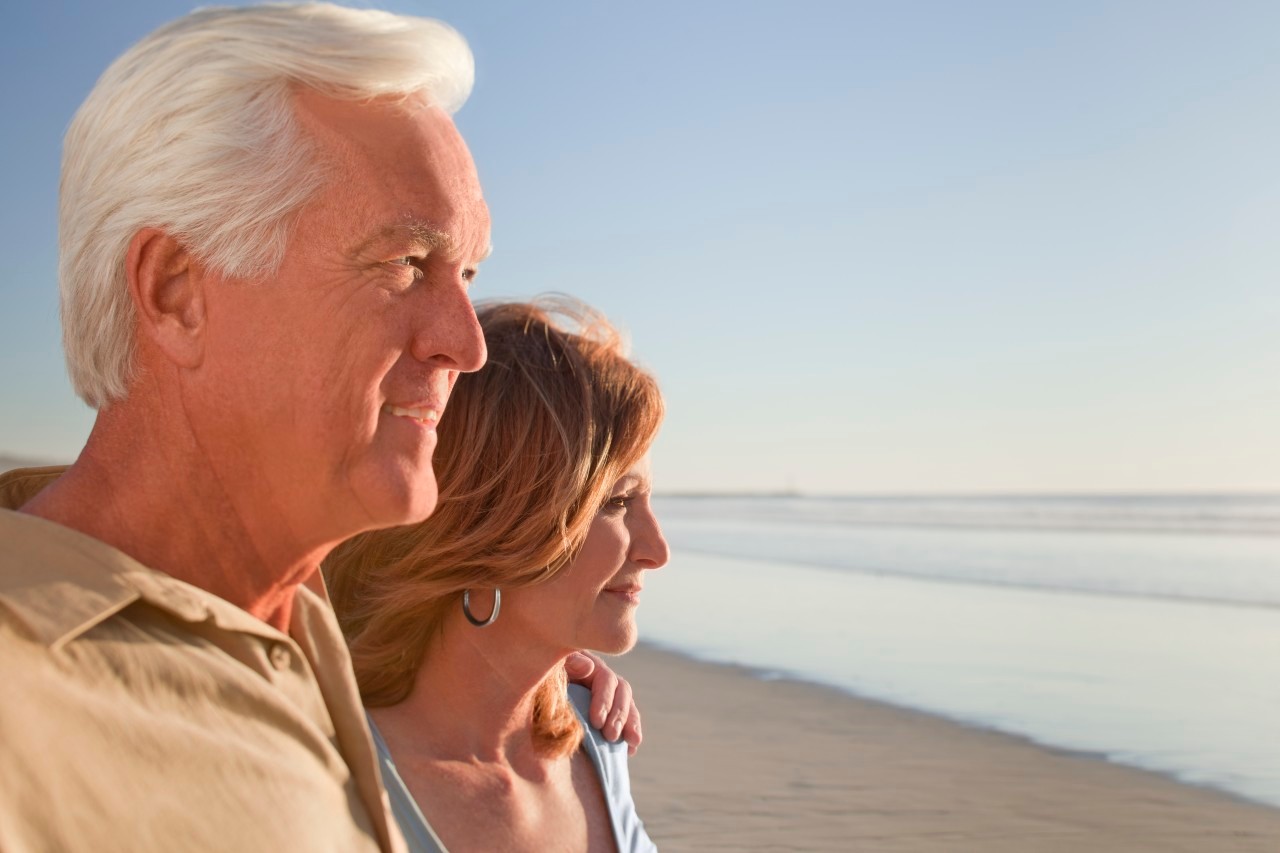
{"points": [[580, 697], [610, 762]]}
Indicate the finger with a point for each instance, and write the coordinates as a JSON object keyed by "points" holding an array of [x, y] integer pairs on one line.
{"points": [[631, 729], [603, 686], [579, 667], [621, 710]]}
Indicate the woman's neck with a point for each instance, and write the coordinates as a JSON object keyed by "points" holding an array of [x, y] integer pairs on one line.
{"points": [[463, 743], [472, 700]]}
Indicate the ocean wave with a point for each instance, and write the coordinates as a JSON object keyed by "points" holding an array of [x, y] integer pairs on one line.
{"points": [[1237, 515], [1130, 560]]}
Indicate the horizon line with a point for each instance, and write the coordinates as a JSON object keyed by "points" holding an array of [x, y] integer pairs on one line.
{"points": [[9, 462]]}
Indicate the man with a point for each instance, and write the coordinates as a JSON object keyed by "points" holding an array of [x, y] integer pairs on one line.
{"points": [[269, 225]]}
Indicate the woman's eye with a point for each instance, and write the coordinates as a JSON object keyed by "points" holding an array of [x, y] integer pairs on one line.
{"points": [[617, 503]]}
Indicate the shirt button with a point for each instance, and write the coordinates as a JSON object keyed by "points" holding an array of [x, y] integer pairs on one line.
{"points": [[280, 657]]}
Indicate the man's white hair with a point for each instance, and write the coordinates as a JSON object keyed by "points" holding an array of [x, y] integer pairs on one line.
{"points": [[193, 131]]}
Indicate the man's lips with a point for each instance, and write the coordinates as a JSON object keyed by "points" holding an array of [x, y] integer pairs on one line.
{"points": [[426, 415]]}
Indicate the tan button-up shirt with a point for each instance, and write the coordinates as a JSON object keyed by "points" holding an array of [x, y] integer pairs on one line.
{"points": [[141, 713]]}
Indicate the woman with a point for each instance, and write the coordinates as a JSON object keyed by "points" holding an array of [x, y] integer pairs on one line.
{"points": [[459, 627]]}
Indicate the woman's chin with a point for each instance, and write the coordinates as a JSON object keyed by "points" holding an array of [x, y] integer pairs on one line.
{"points": [[619, 644], [608, 633]]}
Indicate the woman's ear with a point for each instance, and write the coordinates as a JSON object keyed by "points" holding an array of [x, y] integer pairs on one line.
{"points": [[168, 295]]}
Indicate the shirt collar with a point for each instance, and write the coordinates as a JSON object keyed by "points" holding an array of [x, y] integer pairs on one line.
{"points": [[21, 484], [60, 582]]}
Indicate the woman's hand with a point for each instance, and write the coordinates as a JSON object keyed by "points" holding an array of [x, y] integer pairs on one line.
{"points": [[613, 708]]}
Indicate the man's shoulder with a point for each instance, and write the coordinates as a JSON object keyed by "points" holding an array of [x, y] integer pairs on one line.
{"points": [[21, 484], [56, 582]]}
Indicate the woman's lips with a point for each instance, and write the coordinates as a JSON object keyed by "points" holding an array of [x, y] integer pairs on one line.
{"points": [[629, 593]]}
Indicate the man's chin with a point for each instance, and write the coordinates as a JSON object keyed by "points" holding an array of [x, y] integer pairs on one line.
{"points": [[400, 500], [424, 508], [419, 506]]}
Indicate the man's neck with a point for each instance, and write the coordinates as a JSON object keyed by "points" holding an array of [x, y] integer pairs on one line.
{"points": [[159, 501]]}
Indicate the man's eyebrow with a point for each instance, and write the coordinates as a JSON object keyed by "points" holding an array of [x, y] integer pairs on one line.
{"points": [[430, 238], [422, 234]]}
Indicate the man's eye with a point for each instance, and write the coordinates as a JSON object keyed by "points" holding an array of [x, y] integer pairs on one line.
{"points": [[409, 261], [469, 275]]}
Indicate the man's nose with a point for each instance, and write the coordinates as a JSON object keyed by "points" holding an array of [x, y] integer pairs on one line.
{"points": [[448, 334]]}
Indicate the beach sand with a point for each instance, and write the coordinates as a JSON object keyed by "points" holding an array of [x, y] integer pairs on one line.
{"points": [[732, 762]]}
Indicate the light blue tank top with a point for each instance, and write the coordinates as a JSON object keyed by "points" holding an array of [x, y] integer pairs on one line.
{"points": [[609, 760]]}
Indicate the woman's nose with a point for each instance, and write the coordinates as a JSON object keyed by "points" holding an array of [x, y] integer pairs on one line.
{"points": [[649, 548]]}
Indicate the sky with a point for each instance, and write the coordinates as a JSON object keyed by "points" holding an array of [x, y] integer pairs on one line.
{"points": [[866, 247]]}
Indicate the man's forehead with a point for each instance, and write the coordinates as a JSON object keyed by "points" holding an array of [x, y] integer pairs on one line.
{"points": [[317, 108], [383, 136], [404, 163]]}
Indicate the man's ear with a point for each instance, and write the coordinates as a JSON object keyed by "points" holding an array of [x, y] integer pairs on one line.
{"points": [[167, 289]]}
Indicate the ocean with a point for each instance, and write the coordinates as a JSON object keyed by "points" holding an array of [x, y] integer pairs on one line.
{"points": [[1141, 629]]}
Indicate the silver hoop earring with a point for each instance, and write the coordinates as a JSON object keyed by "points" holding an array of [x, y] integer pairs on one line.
{"points": [[481, 623]]}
